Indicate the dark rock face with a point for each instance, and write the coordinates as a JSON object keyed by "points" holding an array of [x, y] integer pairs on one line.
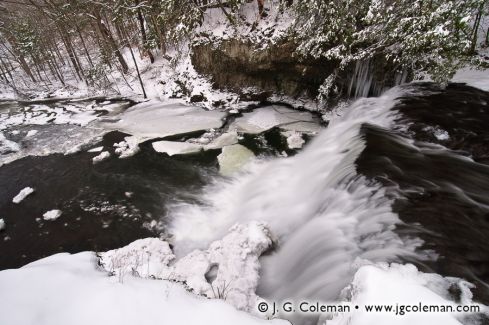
{"points": [[237, 65]]}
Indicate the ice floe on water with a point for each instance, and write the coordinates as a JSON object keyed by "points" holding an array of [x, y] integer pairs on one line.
{"points": [[97, 149], [175, 148], [295, 139], [265, 118], [155, 119], [101, 157], [128, 148], [52, 215], [225, 139], [25, 192], [233, 158]]}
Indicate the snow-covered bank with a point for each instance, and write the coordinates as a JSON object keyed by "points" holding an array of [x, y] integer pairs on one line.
{"points": [[69, 289], [472, 77], [228, 269], [401, 286]]}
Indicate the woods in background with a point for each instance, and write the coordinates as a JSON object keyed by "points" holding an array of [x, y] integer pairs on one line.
{"points": [[86, 40]]}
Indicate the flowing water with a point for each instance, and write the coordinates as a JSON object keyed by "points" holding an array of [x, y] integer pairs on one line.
{"points": [[402, 177]]}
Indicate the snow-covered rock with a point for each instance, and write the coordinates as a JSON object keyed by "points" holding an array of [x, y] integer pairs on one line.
{"points": [[402, 285], [52, 215], [233, 158], [294, 139], [154, 119], [129, 147], [176, 148], [234, 260], [144, 257], [22, 195], [69, 289], [101, 157]]}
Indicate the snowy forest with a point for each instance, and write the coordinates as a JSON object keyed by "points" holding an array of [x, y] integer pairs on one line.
{"points": [[53, 44], [283, 162]]}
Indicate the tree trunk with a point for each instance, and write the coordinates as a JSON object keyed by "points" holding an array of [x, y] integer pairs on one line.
{"points": [[104, 31], [146, 50]]}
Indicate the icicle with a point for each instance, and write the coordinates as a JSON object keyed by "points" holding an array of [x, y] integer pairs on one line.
{"points": [[361, 80]]}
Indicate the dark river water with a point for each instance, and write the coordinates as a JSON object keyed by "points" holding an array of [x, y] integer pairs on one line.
{"points": [[105, 206], [434, 166], [440, 184]]}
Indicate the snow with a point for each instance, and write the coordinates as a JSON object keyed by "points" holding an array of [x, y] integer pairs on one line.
{"points": [[22, 195], [265, 118], [294, 139], [101, 157], [225, 139], [404, 285], [2, 224], [31, 133], [7, 146], [97, 149], [475, 78], [52, 215], [441, 134], [70, 289], [233, 158], [176, 148], [234, 258], [129, 147], [144, 257], [154, 119]]}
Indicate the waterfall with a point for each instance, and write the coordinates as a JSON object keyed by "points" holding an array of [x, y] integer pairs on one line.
{"points": [[324, 214]]}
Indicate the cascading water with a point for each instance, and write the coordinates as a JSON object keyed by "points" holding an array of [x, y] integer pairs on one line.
{"points": [[324, 214]]}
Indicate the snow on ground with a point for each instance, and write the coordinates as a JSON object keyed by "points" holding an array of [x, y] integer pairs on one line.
{"points": [[101, 157], [69, 289], [474, 78], [233, 158], [52, 215], [154, 119], [228, 269], [393, 284], [176, 148], [22, 195]]}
